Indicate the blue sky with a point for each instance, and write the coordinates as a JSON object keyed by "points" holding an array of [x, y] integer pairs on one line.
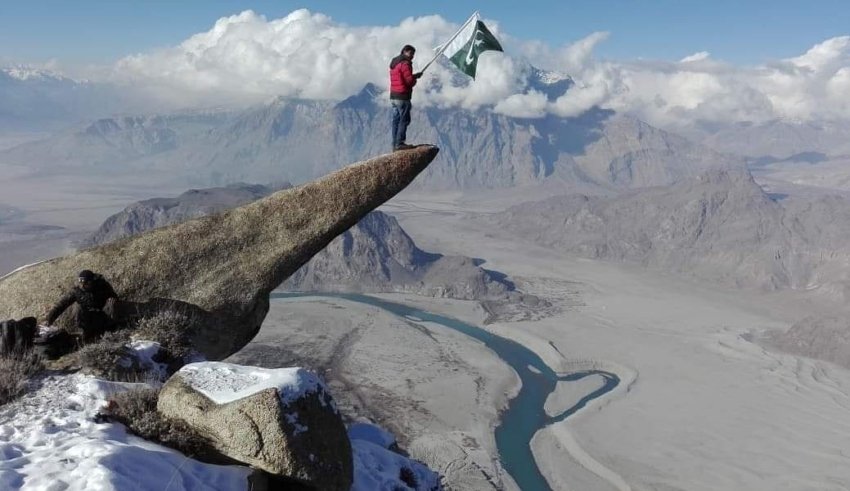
{"points": [[741, 32]]}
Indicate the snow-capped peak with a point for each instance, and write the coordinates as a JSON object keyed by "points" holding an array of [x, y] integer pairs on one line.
{"points": [[27, 73], [550, 77]]}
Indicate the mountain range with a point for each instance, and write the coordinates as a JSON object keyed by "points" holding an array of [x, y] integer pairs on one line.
{"points": [[41, 100], [159, 212], [659, 199], [297, 140], [719, 226], [780, 140]]}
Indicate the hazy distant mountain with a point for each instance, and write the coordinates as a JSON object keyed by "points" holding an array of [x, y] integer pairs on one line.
{"points": [[782, 139], [118, 145], [552, 84], [39, 100], [298, 140], [159, 212], [375, 255], [832, 173], [720, 226]]}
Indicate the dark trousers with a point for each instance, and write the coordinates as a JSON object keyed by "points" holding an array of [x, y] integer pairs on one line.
{"points": [[401, 119], [93, 323]]}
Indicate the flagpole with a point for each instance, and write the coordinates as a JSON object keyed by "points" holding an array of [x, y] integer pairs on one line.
{"points": [[447, 43]]}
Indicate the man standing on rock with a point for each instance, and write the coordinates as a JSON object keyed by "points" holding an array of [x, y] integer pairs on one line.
{"points": [[402, 80], [91, 296]]}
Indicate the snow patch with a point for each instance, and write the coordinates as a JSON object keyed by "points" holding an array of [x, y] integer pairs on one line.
{"points": [[378, 468], [44, 331], [292, 418], [371, 433], [549, 77], [145, 351], [49, 441], [228, 382]]}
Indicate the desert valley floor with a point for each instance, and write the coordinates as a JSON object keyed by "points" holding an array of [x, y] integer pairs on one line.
{"points": [[700, 406]]}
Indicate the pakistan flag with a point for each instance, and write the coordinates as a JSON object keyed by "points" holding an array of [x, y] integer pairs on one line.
{"points": [[472, 40]]}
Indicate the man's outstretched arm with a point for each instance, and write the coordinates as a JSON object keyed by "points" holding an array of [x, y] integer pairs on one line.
{"points": [[66, 301]]}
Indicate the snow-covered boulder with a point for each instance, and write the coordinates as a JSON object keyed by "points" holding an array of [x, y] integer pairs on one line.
{"points": [[282, 421]]}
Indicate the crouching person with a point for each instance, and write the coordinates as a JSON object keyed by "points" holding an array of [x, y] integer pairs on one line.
{"points": [[91, 294]]}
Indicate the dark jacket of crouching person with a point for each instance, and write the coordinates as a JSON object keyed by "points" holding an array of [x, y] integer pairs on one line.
{"points": [[91, 296]]}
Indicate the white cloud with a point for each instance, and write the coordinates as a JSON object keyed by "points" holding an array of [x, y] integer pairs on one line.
{"points": [[808, 87], [248, 58], [595, 87], [531, 105], [578, 56], [700, 56]]}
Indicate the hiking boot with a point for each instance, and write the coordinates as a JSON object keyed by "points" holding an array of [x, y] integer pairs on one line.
{"points": [[403, 146]]}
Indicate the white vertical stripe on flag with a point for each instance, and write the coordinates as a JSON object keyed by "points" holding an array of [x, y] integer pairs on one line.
{"points": [[462, 37]]}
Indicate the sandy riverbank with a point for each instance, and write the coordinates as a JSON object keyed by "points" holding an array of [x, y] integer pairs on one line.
{"points": [[707, 409], [438, 390]]}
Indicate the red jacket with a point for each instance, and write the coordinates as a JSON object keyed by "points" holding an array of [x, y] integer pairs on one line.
{"points": [[401, 78]]}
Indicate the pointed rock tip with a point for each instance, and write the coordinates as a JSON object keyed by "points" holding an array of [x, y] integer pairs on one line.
{"points": [[416, 159], [428, 149], [424, 153], [419, 152]]}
